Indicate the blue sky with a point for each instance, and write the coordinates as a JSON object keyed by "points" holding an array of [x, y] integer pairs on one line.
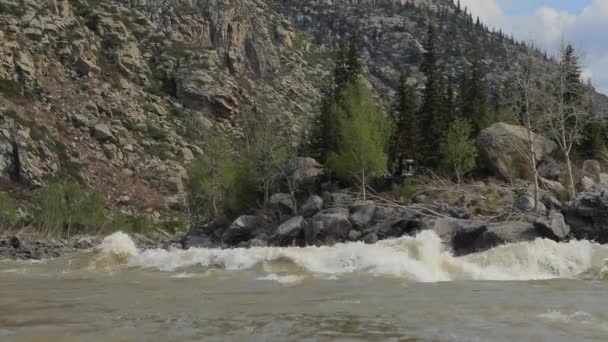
{"points": [[584, 23], [523, 7]]}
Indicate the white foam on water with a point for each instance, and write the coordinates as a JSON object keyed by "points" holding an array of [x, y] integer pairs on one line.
{"points": [[421, 258], [283, 279]]}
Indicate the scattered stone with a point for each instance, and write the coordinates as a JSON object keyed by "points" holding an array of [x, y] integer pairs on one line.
{"points": [[328, 227], [587, 216], [240, 230], [290, 231], [354, 235], [592, 169], [525, 203], [363, 215], [282, 203], [553, 227], [102, 132], [313, 205]]}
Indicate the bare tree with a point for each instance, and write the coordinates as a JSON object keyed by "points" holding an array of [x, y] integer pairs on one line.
{"points": [[526, 86], [567, 107]]}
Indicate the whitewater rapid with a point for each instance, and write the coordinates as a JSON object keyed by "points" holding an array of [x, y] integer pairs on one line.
{"points": [[422, 258]]}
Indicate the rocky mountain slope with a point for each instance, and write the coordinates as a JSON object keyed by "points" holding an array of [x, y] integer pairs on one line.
{"points": [[117, 94]]}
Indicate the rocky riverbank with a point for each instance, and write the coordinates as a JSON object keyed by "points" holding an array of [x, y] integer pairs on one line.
{"points": [[324, 223], [19, 247], [320, 224]]}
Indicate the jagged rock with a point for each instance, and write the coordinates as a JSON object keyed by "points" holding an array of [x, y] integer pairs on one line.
{"points": [[370, 238], [240, 230], [328, 227], [290, 230], [282, 203], [551, 202], [339, 199], [504, 233], [526, 203], [354, 235], [586, 184], [307, 169], [554, 186], [499, 147], [460, 235], [313, 205], [592, 169], [102, 132], [553, 226], [362, 216], [396, 227], [84, 67], [587, 215], [199, 241], [549, 169]]}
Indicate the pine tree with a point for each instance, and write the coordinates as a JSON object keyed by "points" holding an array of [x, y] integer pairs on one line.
{"points": [[431, 113], [474, 93], [405, 118], [347, 69]]}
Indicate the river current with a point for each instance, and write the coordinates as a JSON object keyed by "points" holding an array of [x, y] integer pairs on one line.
{"points": [[406, 289]]}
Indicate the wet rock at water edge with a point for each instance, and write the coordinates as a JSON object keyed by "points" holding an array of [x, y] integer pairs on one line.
{"points": [[328, 227], [283, 204], [240, 230], [587, 215], [290, 231], [553, 226], [313, 205]]}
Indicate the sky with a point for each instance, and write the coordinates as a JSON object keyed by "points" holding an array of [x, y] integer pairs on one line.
{"points": [[584, 23]]}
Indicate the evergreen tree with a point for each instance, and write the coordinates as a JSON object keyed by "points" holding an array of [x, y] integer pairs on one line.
{"points": [[432, 112], [405, 118], [475, 98], [362, 130], [347, 69]]}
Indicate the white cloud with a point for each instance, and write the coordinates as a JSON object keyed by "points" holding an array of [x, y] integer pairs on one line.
{"points": [[587, 30]]}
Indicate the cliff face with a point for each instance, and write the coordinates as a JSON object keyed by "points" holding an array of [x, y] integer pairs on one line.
{"points": [[117, 93]]}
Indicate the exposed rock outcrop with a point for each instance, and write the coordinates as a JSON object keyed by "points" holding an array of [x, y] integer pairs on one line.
{"points": [[500, 147]]}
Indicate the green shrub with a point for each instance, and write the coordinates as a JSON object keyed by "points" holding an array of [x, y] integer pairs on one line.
{"points": [[119, 222], [9, 87], [67, 208], [155, 132], [8, 210], [175, 225], [141, 224], [49, 208], [457, 149]]}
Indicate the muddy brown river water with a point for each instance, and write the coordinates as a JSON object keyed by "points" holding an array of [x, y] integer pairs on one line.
{"points": [[408, 289]]}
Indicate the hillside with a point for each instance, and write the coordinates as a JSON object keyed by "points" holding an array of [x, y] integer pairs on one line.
{"points": [[118, 94]]}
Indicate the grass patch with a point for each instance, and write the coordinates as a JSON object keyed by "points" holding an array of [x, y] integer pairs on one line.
{"points": [[10, 87]]}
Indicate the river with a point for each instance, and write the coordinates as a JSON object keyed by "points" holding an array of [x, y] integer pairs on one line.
{"points": [[407, 289]]}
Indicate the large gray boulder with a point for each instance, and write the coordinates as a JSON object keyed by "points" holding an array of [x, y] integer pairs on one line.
{"points": [[313, 205], [587, 215], [499, 147], [525, 203], [102, 132], [553, 226], [328, 227], [362, 216], [466, 236], [282, 203], [290, 231], [241, 229]]}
